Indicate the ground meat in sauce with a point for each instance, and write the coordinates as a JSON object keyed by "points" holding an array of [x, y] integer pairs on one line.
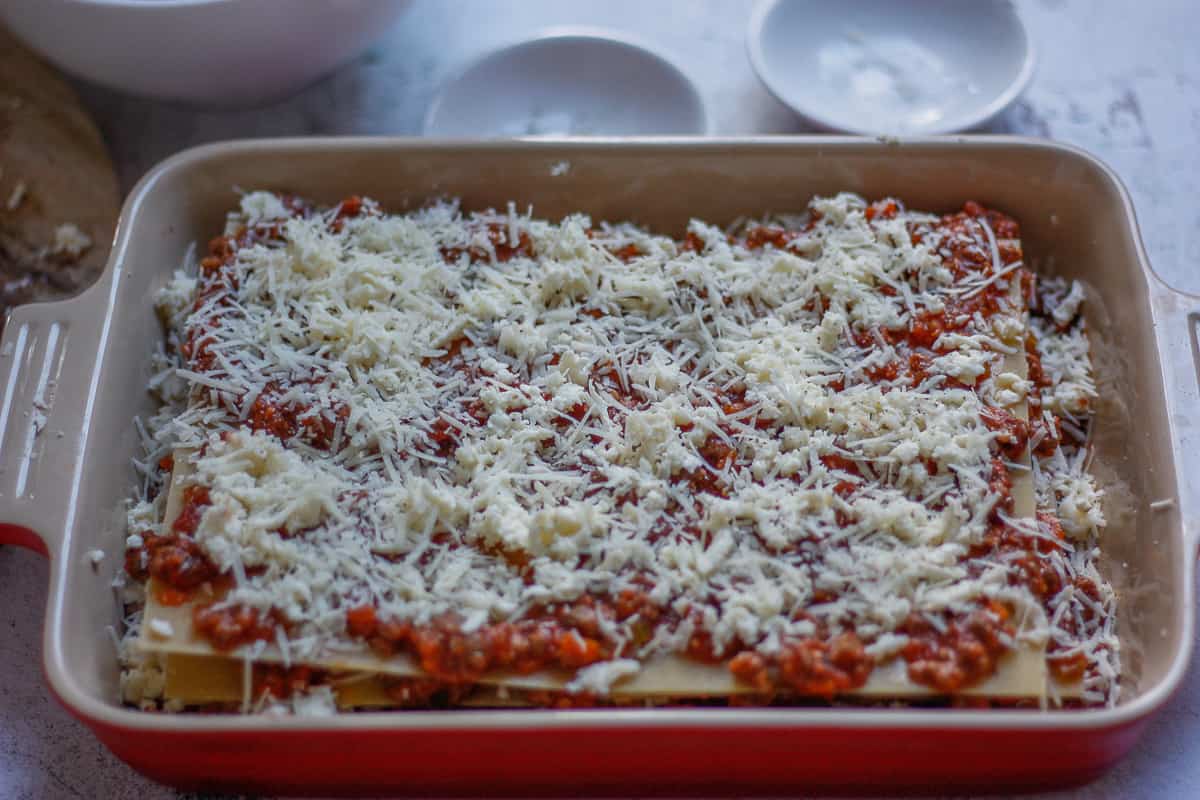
{"points": [[499, 246], [821, 668], [1012, 433], [227, 627], [282, 682], [175, 560], [564, 637], [286, 419], [960, 652]]}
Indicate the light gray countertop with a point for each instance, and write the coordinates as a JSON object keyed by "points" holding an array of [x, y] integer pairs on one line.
{"points": [[1119, 79]]}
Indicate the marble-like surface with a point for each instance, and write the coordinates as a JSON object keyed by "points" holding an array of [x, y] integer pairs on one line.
{"points": [[1120, 79]]}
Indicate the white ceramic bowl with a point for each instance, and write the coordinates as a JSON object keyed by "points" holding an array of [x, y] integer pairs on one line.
{"points": [[885, 67], [210, 52], [569, 82]]}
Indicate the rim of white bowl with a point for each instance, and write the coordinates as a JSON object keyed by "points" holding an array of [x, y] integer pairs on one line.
{"points": [[754, 35], [574, 32], [147, 4]]}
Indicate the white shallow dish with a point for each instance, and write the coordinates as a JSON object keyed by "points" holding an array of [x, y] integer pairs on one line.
{"points": [[882, 67], [568, 82], [206, 52]]}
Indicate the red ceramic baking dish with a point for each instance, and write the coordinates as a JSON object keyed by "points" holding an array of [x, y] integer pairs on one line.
{"points": [[73, 375]]}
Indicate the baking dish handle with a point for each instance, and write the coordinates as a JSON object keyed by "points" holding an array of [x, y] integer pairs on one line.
{"points": [[49, 363], [1177, 315]]}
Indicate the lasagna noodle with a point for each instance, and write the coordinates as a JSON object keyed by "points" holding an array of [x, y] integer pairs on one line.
{"points": [[198, 674], [196, 680]]}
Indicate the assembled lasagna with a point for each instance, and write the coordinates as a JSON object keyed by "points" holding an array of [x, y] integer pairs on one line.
{"points": [[443, 459]]}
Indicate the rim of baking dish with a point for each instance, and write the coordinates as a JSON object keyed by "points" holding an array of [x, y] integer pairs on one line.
{"points": [[96, 711]]}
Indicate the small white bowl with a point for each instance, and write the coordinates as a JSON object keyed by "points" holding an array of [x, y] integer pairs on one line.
{"points": [[568, 82], [892, 68], [209, 52]]}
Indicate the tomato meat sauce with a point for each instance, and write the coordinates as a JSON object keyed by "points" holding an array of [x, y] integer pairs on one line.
{"points": [[500, 246]]}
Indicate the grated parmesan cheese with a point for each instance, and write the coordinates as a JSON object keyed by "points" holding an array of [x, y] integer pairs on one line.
{"points": [[599, 678], [1081, 622]]}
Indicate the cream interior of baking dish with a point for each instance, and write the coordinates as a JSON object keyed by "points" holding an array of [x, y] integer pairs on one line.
{"points": [[1072, 220]]}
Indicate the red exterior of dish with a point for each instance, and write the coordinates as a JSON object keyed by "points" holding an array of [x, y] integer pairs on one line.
{"points": [[660, 760], [23, 537]]}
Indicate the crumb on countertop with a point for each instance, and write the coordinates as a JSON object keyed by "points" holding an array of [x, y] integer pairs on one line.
{"points": [[70, 241], [17, 196]]}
